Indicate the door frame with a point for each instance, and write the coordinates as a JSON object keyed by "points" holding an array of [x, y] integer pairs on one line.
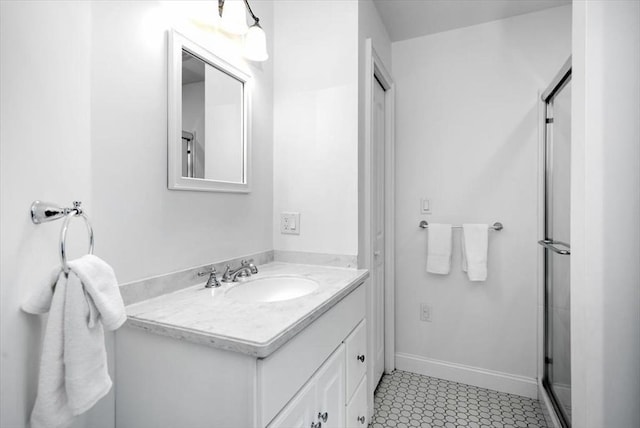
{"points": [[375, 69], [549, 400]]}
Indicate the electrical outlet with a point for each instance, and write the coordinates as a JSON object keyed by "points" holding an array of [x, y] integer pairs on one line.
{"points": [[425, 312], [290, 223]]}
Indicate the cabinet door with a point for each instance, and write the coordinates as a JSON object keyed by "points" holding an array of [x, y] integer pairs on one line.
{"points": [[299, 412], [356, 357], [357, 414], [330, 389]]}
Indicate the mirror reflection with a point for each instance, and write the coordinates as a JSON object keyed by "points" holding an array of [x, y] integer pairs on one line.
{"points": [[212, 122]]}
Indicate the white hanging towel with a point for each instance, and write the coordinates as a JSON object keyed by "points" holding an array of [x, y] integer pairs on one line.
{"points": [[439, 249], [73, 367], [475, 243]]}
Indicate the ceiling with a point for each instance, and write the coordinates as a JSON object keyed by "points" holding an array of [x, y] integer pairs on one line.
{"points": [[406, 19]]}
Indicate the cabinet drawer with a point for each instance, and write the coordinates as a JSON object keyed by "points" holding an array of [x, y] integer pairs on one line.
{"points": [[356, 357], [357, 415]]}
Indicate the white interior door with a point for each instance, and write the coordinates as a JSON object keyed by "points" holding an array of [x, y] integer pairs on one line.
{"points": [[378, 223]]}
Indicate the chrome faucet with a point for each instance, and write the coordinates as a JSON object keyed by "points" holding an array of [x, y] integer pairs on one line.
{"points": [[246, 269], [212, 282]]}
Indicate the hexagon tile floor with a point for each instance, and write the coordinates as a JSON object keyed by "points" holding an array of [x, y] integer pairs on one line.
{"points": [[405, 400]]}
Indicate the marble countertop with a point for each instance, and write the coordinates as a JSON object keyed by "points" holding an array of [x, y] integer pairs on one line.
{"points": [[208, 316]]}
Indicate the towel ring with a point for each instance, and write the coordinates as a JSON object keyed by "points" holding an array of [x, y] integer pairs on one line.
{"points": [[63, 237], [42, 212]]}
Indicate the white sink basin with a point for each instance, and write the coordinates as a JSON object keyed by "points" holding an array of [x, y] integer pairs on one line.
{"points": [[272, 289]]}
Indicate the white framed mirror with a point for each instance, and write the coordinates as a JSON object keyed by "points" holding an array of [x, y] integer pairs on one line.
{"points": [[208, 120]]}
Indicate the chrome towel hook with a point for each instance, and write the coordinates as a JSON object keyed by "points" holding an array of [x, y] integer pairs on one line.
{"points": [[42, 212]]}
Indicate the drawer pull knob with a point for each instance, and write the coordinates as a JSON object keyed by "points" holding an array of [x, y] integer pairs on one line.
{"points": [[361, 419], [323, 416], [360, 358]]}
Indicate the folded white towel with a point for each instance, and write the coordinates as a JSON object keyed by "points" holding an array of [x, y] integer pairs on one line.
{"points": [[475, 242], [73, 366], [439, 249]]}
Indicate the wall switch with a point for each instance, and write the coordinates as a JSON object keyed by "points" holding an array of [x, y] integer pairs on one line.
{"points": [[425, 312], [290, 223], [425, 206]]}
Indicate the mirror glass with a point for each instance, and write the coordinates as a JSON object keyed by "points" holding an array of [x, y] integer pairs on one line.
{"points": [[208, 144], [211, 121]]}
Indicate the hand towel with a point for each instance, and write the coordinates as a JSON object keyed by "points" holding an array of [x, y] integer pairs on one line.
{"points": [[439, 249], [475, 243], [73, 367]]}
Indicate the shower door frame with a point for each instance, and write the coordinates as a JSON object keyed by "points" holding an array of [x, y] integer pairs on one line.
{"points": [[557, 84]]}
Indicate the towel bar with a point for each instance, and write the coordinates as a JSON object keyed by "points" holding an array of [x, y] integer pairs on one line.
{"points": [[42, 212], [497, 226]]}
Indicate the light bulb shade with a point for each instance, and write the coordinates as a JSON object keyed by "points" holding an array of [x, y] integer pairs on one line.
{"points": [[255, 44], [234, 17]]}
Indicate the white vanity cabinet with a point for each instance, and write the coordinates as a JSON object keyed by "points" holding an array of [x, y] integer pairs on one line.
{"points": [[337, 390], [165, 382]]}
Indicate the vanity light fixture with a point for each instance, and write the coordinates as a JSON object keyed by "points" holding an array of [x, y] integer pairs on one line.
{"points": [[233, 21]]}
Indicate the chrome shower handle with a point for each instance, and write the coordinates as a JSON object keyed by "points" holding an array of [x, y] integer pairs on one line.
{"points": [[551, 245]]}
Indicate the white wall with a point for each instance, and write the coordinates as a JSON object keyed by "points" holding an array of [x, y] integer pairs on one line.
{"points": [[84, 116], [467, 139], [142, 228], [605, 274], [45, 154], [223, 98], [316, 125]]}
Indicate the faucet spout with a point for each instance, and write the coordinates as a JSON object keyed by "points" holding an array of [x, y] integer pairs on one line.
{"points": [[246, 268]]}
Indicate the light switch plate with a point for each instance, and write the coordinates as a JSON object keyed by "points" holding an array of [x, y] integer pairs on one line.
{"points": [[425, 206], [290, 223]]}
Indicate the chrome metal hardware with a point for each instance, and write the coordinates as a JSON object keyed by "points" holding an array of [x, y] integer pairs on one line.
{"points": [[212, 281], [497, 226], [246, 269], [42, 212], [361, 419], [550, 244], [316, 424], [360, 358], [323, 416]]}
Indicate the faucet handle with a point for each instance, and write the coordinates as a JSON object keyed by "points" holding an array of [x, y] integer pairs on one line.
{"points": [[250, 265], [212, 281], [208, 271]]}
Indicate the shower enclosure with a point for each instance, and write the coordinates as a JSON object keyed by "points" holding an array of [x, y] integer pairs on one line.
{"points": [[557, 251]]}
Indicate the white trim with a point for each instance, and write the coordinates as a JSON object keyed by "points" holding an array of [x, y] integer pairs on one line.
{"points": [[374, 68], [483, 378], [540, 279], [175, 180]]}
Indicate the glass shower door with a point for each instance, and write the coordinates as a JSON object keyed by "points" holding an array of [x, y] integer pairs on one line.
{"points": [[557, 379]]}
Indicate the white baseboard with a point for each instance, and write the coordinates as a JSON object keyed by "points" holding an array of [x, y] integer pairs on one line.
{"points": [[483, 378]]}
